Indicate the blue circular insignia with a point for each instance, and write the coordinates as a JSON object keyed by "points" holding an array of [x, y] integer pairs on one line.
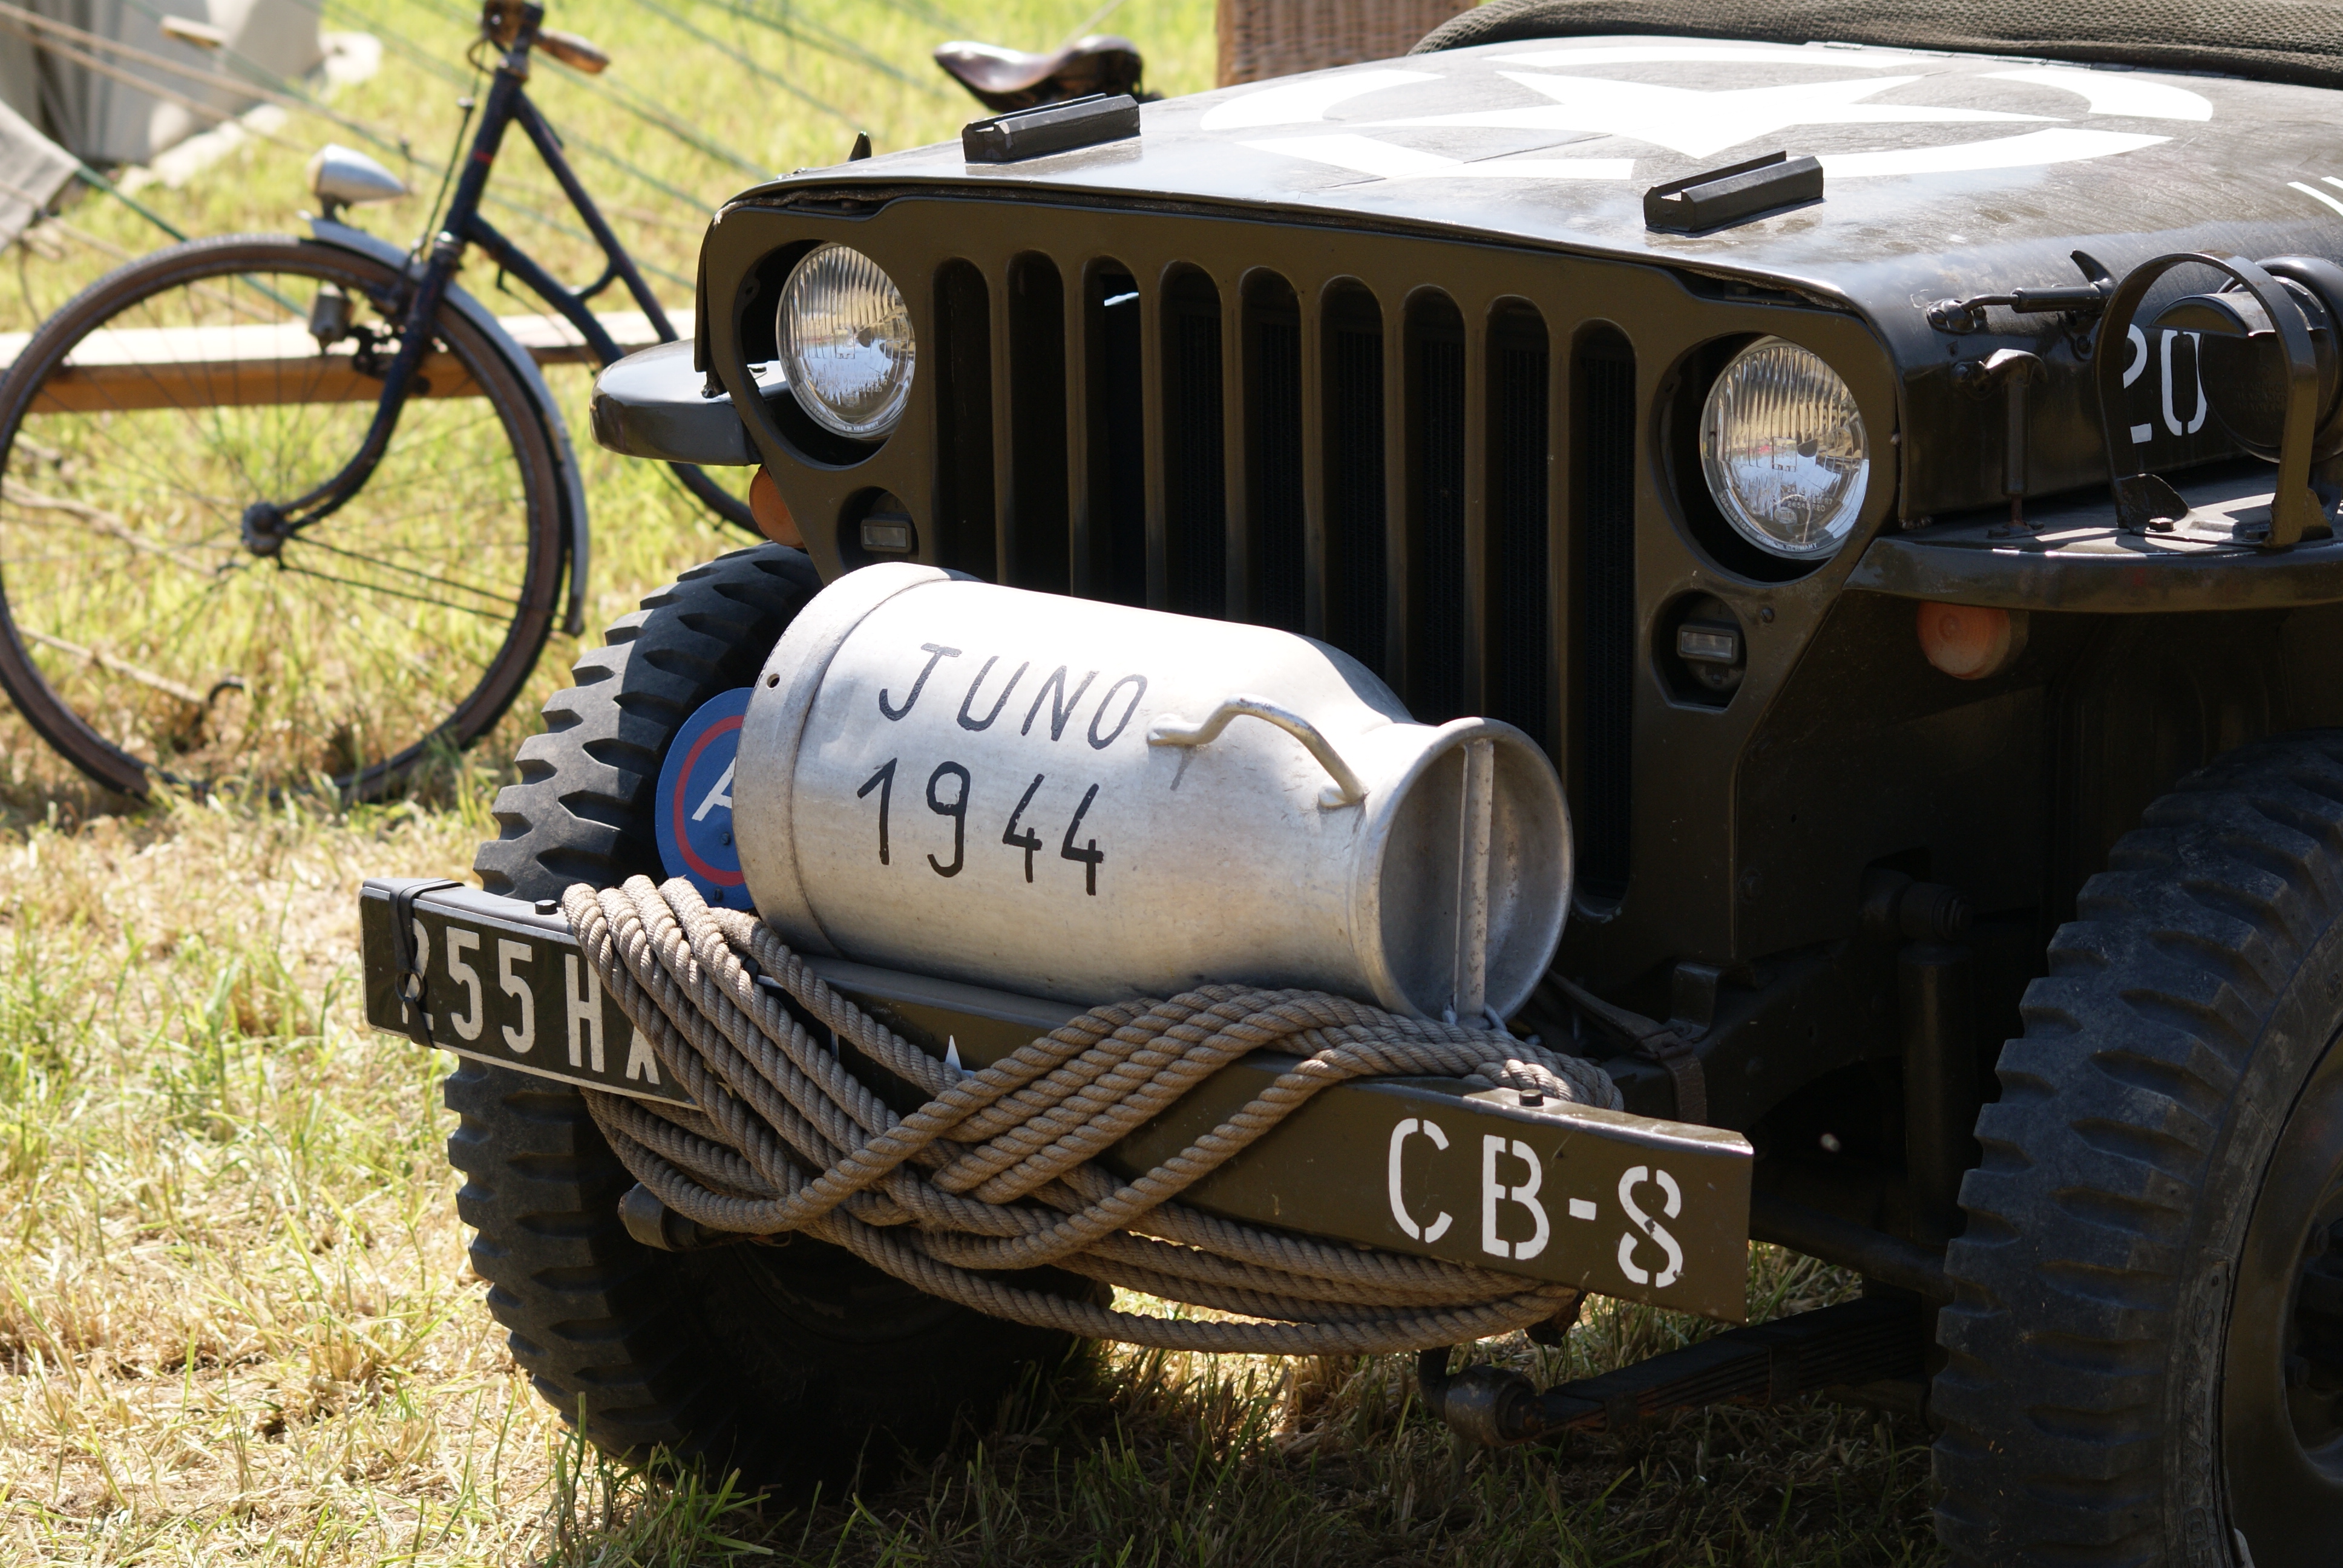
{"points": [[693, 806]]}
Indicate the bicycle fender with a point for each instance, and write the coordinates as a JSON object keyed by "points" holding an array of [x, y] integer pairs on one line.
{"points": [[571, 481]]}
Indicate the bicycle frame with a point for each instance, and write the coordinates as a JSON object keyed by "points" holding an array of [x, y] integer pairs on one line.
{"points": [[268, 523]]}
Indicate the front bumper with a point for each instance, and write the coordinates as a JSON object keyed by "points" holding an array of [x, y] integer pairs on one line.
{"points": [[1621, 1205]]}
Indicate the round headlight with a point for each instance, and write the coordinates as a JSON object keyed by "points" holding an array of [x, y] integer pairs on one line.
{"points": [[846, 342], [1782, 446]]}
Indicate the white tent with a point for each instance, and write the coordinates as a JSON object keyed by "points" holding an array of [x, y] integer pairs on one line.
{"points": [[33, 169], [102, 118]]}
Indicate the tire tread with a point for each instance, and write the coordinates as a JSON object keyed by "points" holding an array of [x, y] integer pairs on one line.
{"points": [[694, 1353], [2069, 1279]]}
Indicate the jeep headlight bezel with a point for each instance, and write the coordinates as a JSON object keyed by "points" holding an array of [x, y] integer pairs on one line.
{"points": [[844, 335], [1783, 451]]}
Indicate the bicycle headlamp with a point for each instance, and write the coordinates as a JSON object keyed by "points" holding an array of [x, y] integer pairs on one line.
{"points": [[846, 343], [1783, 448]]}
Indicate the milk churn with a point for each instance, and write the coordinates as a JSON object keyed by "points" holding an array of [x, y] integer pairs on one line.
{"points": [[1087, 801]]}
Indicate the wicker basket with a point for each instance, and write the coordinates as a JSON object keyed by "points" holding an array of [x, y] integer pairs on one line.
{"points": [[1263, 38]]}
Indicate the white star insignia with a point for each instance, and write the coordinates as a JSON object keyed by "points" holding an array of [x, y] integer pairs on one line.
{"points": [[1697, 123]]}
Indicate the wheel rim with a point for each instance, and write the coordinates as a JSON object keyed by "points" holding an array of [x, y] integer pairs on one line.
{"points": [[860, 1305], [157, 641], [2282, 1367]]}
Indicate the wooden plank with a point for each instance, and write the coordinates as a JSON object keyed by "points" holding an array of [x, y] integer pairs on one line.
{"points": [[550, 340], [257, 363], [234, 383]]}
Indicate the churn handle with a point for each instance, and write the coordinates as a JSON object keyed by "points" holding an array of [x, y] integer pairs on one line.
{"points": [[1347, 789]]}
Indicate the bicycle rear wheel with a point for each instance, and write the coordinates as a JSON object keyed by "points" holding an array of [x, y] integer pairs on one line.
{"points": [[138, 633]]}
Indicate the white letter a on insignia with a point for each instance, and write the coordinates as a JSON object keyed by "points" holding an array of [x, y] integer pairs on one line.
{"points": [[721, 795]]}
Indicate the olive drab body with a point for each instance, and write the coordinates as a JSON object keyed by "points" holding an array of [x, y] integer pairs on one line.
{"points": [[1089, 801]]}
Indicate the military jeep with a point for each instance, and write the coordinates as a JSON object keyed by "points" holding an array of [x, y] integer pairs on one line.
{"points": [[1885, 463]]}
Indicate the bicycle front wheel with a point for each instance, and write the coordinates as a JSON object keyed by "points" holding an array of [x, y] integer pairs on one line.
{"points": [[145, 639]]}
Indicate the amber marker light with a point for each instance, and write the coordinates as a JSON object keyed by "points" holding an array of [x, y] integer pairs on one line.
{"points": [[772, 513], [1971, 641]]}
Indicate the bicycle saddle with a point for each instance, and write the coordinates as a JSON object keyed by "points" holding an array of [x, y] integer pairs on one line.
{"points": [[1006, 79]]}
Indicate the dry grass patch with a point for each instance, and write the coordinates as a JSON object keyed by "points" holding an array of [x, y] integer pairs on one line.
{"points": [[233, 1312]]}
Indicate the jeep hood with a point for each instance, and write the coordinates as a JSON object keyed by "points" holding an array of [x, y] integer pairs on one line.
{"points": [[1943, 173]]}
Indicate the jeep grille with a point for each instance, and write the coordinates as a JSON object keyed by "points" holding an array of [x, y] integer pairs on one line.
{"points": [[1374, 465]]}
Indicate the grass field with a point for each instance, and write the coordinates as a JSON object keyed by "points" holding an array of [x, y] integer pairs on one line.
{"points": [[235, 1320]]}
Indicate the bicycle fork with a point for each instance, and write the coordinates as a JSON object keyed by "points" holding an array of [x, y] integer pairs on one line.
{"points": [[266, 525]]}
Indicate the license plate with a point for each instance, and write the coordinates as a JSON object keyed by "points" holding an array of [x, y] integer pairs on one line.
{"points": [[504, 984]]}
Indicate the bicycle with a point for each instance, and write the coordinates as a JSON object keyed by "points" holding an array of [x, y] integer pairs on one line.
{"points": [[253, 518]]}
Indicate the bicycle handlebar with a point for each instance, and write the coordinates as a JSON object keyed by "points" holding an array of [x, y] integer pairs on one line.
{"points": [[577, 54], [501, 22]]}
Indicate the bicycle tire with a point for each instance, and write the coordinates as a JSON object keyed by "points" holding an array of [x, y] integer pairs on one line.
{"points": [[412, 616]]}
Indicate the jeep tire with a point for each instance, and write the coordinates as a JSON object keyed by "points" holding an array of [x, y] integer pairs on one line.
{"points": [[2145, 1350], [791, 1363]]}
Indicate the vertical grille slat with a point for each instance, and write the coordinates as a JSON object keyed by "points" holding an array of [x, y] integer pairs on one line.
{"points": [[1437, 661], [1195, 539], [1116, 419], [1353, 462], [963, 515], [1277, 527], [1033, 549], [1398, 585], [1444, 487], [1522, 655], [1603, 457]]}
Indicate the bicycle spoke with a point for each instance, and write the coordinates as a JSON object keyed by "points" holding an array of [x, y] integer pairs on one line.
{"points": [[394, 593], [306, 540]]}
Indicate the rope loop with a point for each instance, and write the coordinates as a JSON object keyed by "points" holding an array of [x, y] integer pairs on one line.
{"points": [[993, 1173]]}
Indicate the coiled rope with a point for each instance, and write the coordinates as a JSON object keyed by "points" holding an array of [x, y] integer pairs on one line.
{"points": [[993, 1173]]}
